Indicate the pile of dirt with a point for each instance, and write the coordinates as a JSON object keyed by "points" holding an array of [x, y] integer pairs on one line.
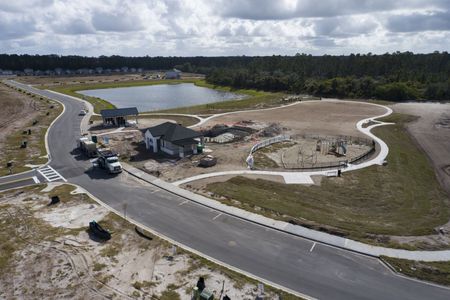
{"points": [[222, 133], [272, 130]]}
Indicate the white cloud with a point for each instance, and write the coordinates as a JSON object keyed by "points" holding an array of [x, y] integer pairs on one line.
{"points": [[223, 27]]}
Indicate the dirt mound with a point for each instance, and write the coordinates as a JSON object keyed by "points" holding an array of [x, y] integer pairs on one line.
{"points": [[272, 130]]}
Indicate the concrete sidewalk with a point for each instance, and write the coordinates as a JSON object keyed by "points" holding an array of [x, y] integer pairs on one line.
{"points": [[296, 230], [304, 177]]}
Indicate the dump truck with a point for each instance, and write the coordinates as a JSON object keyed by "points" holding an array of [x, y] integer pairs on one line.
{"points": [[88, 147], [108, 160]]}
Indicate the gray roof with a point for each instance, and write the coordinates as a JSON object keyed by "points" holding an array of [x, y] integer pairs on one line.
{"points": [[119, 112], [173, 132]]}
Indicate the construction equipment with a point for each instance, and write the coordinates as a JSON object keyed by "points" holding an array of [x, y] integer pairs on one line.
{"points": [[108, 160], [87, 147]]}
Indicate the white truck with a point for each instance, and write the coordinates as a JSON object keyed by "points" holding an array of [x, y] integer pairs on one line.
{"points": [[109, 161], [87, 146]]}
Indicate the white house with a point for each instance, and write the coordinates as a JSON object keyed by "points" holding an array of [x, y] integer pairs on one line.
{"points": [[172, 139]]}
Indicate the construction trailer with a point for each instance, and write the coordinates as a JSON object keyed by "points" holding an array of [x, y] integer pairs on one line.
{"points": [[88, 147]]}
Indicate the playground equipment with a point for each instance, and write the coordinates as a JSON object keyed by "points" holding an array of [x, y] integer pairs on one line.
{"points": [[334, 147]]}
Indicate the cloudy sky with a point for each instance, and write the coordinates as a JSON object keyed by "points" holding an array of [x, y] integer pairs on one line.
{"points": [[223, 27]]}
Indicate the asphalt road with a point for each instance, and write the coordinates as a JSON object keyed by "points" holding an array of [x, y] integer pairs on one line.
{"points": [[321, 271], [16, 183]]}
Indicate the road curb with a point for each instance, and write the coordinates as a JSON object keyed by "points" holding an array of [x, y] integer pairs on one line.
{"points": [[189, 249]]}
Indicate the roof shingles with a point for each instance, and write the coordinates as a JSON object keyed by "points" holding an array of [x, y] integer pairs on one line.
{"points": [[119, 112], [173, 132]]}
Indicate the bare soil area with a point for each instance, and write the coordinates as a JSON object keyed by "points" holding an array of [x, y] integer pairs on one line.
{"points": [[327, 118], [25, 118], [70, 80], [432, 133], [310, 117], [52, 81], [17, 110], [47, 252]]}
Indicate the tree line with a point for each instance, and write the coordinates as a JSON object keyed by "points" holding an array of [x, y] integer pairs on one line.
{"points": [[397, 76]]}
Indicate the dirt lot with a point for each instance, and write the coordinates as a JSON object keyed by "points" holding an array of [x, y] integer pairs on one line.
{"points": [[17, 110], [23, 112], [47, 252], [310, 117], [321, 118], [432, 133], [91, 79]]}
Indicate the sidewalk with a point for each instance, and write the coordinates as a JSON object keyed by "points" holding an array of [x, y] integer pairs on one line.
{"points": [[297, 230], [304, 177]]}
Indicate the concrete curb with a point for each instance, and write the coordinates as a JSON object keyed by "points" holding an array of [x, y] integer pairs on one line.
{"points": [[47, 148], [300, 231], [189, 249]]}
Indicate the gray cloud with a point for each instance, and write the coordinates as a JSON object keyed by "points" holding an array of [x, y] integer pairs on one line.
{"points": [[77, 26], [344, 26], [116, 22], [14, 29], [223, 27], [279, 10], [419, 22]]}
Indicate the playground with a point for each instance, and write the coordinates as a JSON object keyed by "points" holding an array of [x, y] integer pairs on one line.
{"points": [[231, 137], [315, 152]]}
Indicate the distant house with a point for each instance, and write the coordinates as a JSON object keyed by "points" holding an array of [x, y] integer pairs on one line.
{"points": [[173, 74], [28, 71], [118, 116], [172, 139]]}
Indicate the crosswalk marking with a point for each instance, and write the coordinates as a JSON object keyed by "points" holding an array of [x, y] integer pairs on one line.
{"points": [[50, 174]]}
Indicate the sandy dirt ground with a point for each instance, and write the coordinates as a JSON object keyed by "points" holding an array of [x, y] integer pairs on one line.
{"points": [[51, 254], [310, 117], [97, 126], [17, 109], [304, 153], [69, 80], [432, 133], [316, 118], [94, 79]]}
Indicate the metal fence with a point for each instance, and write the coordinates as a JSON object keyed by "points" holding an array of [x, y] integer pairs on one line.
{"points": [[317, 166], [349, 139], [265, 143], [340, 164]]}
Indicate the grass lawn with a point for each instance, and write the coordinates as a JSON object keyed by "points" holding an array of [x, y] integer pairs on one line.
{"points": [[255, 98], [402, 198], [438, 272], [35, 150]]}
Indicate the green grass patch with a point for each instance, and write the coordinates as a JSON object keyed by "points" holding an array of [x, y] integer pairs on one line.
{"points": [[402, 198], [139, 285], [437, 272], [169, 295]]}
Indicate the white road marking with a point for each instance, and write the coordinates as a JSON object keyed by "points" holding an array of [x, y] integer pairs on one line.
{"points": [[184, 202], [312, 248], [51, 174], [36, 180], [216, 216]]}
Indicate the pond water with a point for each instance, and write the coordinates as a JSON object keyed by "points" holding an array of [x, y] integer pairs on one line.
{"points": [[161, 96]]}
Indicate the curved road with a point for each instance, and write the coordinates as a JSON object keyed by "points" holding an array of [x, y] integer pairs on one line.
{"points": [[313, 269]]}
